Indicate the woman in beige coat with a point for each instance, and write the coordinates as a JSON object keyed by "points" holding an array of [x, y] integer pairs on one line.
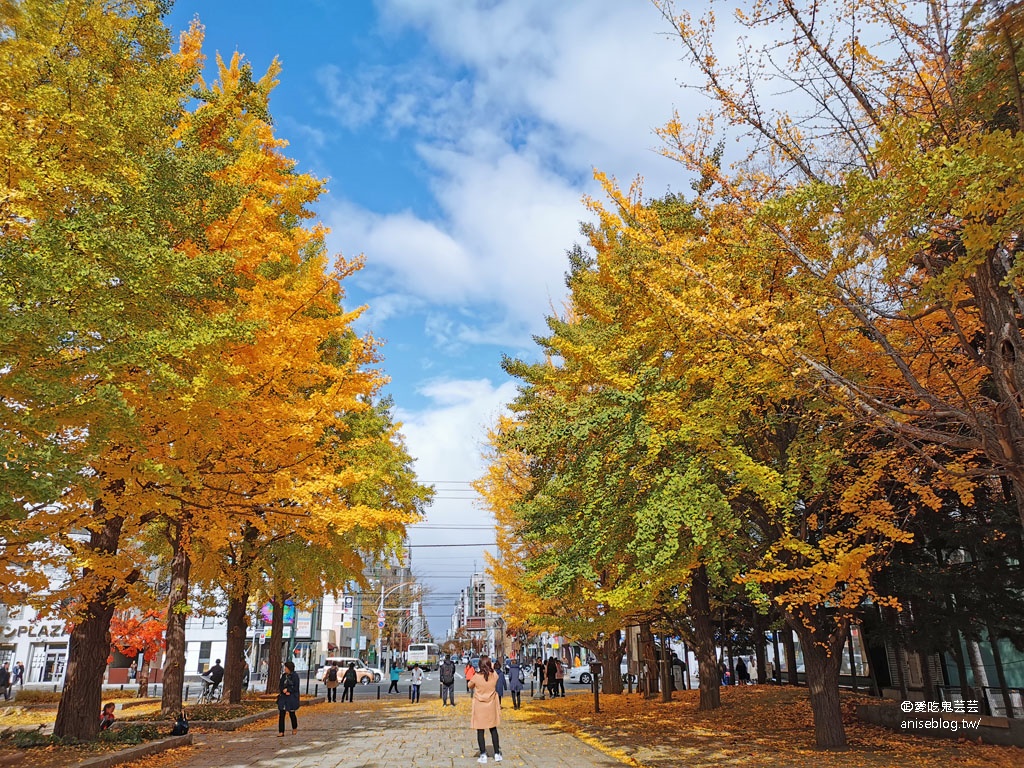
{"points": [[486, 712]]}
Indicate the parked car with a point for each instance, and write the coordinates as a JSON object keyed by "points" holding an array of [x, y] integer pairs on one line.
{"points": [[583, 675], [364, 674]]}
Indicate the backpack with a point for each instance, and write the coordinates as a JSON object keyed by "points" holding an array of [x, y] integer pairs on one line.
{"points": [[522, 677], [332, 675], [447, 673], [180, 726]]}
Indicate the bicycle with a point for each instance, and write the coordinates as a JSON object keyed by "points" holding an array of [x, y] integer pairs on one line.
{"points": [[210, 692]]}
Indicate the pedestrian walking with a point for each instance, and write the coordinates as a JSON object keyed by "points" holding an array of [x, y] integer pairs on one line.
{"points": [[349, 681], [5, 681], [288, 698], [446, 674], [18, 676], [469, 671], [560, 677], [132, 671], [501, 684], [742, 674], [552, 679], [107, 716], [538, 675], [486, 710], [331, 682], [417, 681], [395, 674], [516, 680]]}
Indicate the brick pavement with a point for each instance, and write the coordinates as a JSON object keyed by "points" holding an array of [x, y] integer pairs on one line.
{"points": [[391, 733]]}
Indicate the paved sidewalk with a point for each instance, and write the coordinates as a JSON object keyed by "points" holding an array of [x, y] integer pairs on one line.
{"points": [[391, 733]]}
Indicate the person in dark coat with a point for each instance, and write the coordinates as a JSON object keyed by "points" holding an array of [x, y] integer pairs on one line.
{"points": [[216, 674], [742, 674], [5, 680], [288, 698], [516, 678], [348, 680], [552, 675], [502, 683]]}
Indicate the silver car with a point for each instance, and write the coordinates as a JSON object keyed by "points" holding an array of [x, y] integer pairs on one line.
{"points": [[583, 675]]}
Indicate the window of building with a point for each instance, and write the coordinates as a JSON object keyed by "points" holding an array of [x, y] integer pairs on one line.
{"points": [[205, 648]]}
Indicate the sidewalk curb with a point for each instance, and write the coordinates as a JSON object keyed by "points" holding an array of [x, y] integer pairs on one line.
{"points": [[134, 753]]}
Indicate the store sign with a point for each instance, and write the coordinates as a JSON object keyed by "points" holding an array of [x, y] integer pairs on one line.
{"points": [[33, 630], [303, 626]]}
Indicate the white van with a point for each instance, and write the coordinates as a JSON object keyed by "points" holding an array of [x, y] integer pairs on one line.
{"points": [[364, 674]]}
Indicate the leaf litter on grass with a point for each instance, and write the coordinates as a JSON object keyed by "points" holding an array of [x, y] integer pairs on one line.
{"points": [[756, 726]]}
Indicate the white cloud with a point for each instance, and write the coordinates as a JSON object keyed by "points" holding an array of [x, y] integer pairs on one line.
{"points": [[446, 440], [515, 105], [500, 241]]}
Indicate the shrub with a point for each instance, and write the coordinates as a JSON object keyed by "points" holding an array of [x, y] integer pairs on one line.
{"points": [[37, 697], [135, 733]]}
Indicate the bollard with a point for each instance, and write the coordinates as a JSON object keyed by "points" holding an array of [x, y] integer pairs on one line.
{"points": [[531, 689], [122, 686], [378, 692], [316, 690], [410, 691], [186, 693]]}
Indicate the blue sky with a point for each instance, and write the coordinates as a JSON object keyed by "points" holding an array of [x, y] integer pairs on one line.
{"points": [[459, 138]]}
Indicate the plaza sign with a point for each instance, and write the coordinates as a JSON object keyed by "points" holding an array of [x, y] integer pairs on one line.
{"points": [[33, 630]]}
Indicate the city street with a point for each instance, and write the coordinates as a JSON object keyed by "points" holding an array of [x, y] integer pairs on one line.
{"points": [[392, 732], [431, 688]]}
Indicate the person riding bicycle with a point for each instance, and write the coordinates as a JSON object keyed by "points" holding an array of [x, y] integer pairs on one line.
{"points": [[207, 694], [212, 679]]}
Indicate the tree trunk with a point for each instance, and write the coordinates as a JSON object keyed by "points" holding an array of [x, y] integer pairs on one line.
{"points": [[727, 639], [961, 667], [927, 679], [177, 615], [234, 654], [761, 675], [610, 656], [977, 669], [853, 660], [704, 642], [777, 671], [89, 643], [143, 691], [822, 662], [274, 659], [997, 657], [650, 661], [238, 616], [666, 671], [787, 642], [1002, 426]]}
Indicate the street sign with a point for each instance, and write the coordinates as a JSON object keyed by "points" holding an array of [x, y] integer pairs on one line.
{"points": [[380, 623], [380, 615]]}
